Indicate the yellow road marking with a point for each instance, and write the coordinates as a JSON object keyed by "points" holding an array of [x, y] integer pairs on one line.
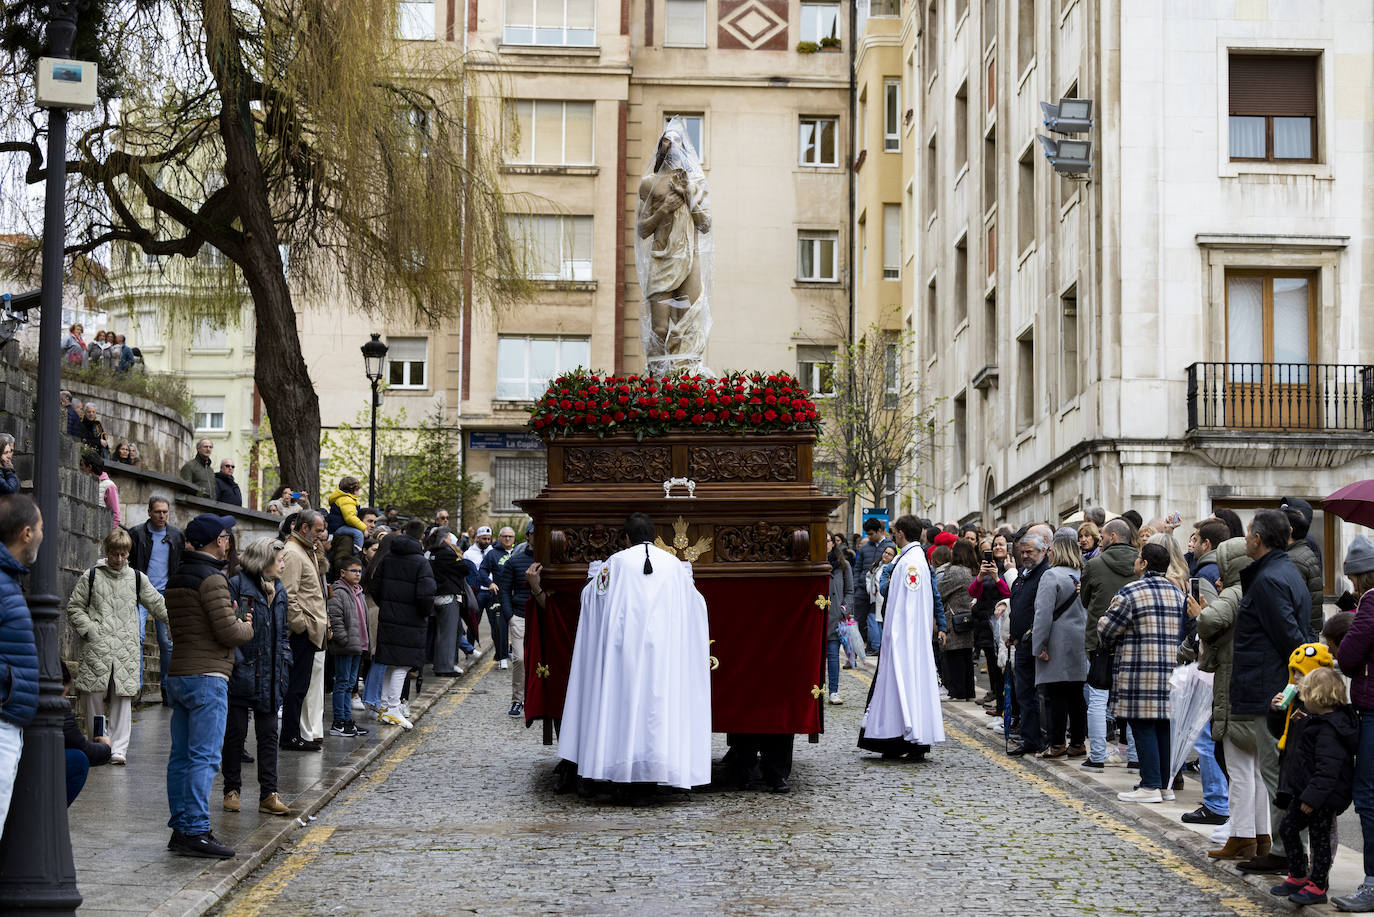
{"points": [[274, 883], [266, 891], [1200, 879]]}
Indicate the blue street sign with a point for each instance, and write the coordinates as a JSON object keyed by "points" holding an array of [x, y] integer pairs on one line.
{"points": [[524, 442]]}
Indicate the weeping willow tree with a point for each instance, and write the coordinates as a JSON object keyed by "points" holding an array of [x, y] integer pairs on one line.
{"points": [[274, 131]]}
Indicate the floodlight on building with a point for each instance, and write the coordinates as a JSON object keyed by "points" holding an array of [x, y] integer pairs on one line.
{"points": [[1070, 116], [1070, 157]]}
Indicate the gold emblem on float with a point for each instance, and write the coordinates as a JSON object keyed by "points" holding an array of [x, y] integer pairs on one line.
{"points": [[681, 543], [541, 671]]}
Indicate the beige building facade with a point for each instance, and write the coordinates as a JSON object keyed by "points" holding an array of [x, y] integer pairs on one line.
{"points": [[1181, 330]]}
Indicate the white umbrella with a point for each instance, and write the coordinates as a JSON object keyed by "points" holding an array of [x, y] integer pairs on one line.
{"points": [[1077, 518], [1190, 709]]}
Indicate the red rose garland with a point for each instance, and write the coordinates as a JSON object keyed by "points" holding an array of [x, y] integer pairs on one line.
{"points": [[753, 402]]}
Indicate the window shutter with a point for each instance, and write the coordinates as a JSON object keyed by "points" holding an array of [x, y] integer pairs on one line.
{"points": [[1273, 85]]}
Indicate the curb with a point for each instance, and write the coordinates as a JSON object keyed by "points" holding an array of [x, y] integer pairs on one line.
{"points": [[215, 883], [1183, 841]]}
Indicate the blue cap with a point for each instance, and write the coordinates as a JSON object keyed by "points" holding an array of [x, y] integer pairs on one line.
{"points": [[206, 527]]}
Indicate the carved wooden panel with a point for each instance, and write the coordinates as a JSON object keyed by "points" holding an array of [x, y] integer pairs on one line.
{"points": [[742, 463], [582, 544], [617, 464], [757, 543]]}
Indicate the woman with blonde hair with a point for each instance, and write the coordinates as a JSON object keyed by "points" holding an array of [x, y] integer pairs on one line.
{"points": [[1061, 657], [103, 610], [1178, 564], [1089, 541]]}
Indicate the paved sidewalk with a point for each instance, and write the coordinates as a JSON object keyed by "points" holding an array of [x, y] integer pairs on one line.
{"points": [[119, 822], [1101, 787]]}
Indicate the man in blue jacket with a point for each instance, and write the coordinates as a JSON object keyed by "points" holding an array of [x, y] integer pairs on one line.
{"points": [[859, 603], [21, 532]]}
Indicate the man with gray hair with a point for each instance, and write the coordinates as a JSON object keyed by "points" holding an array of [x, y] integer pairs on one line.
{"points": [[1096, 515], [156, 552], [302, 573], [199, 472], [1112, 568], [1033, 552]]}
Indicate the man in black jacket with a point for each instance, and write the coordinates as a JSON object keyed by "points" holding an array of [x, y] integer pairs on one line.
{"points": [[1033, 549], [403, 588], [226, 488], [156, 552], [514, 593], [867, 555]]}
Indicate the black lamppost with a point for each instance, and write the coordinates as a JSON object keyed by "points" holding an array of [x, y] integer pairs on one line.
{"points": [[374, 357], [37, 875]]}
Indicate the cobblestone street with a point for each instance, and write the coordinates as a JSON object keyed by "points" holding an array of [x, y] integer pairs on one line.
{"points": [[461, 816]]}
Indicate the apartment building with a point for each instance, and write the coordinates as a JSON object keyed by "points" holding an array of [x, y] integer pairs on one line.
{"points": [[1182, 328]]}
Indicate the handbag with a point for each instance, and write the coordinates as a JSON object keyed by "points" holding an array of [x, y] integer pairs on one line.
{"points": [[962, 621], [1100, 662]]}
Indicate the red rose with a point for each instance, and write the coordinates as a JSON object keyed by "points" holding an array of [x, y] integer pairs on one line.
{"points": [[786, 418], [679, 414], [619, 416], [710, 416], [697, 419], [577, 419], [580, 405], [770, 414], [624, 399], [756, 418], [770, 398], [565, 404], [606, 418]]}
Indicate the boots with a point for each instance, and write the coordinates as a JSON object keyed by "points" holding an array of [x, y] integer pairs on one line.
{"points": [[1236, 848], [1263, 843], [231, 801]]}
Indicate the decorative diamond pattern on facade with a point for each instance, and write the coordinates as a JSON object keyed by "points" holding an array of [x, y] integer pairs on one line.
{"points": [[753, 25]]}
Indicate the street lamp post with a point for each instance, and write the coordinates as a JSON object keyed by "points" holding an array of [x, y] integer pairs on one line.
{"points": [[37, 875], [374, 357]]}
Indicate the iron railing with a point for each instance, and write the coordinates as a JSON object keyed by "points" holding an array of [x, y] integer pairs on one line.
{"points": [[1281, 397]]}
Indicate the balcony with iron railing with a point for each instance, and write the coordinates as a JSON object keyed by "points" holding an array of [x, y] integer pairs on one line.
{"points": [[1280, 398]]}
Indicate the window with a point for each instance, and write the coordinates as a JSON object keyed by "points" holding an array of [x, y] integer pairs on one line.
{"points": [[1273, 108], [209, 335], [694, 124], [932, 177], [550, 22], [415, 20], [892, 241], [1025, 202], [685, 25], [960, 280], [932, 316], [820, 20], [990, 171], [1025, 35], [553, 133], [863, 250], [989, 23], [892, 365], [991, 89], [555, 247], [816, 253], [817, 145], [405, 358], [209, 413], [861, 125], [892, 115], [1068, 336], [516, 477], [961, 128], [931, 49], [1270, 318], [1025, 380], [960, 435], [816, 368], [990, 329], [209, 256], [524, 365]]}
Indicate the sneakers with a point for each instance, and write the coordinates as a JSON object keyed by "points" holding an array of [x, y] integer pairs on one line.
{"points": [[199, 845], [1114, 759], [516, 709], [1360, 902], [503, 664], [390, 717], [1094, 765], [358, 703], [1167, 795], [231, 801], [1204, 816], [1288, 887], [836, 699], [272, 805], [117, 760], [347, 728], [405, 709], [337, 728], [1076, 751], [1141, 795], [1310, 894], [299, 744]]}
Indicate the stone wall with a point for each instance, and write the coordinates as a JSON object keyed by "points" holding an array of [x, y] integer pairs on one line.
{"points": [[164, 438]]}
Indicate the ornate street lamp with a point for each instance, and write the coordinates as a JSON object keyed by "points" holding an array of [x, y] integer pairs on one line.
{"points": [[37, 874], [374, 358]]}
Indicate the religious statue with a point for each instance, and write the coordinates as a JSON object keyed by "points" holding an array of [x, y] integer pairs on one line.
{"points": [[673, 256]]}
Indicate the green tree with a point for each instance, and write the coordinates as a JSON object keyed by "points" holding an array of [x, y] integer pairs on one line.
{"points": [[276, 133]]}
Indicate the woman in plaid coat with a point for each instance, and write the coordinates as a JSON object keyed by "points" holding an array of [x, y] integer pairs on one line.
{"points": [[1144, 622]]}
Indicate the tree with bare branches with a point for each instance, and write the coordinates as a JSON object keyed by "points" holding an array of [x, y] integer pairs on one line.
{"points": [[277, 133]]}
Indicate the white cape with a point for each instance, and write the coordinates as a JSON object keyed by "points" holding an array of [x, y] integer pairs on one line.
{"points": [[638, 708], [906, 691]]}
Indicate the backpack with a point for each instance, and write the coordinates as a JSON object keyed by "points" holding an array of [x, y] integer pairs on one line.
{"points": [[90, 585]]}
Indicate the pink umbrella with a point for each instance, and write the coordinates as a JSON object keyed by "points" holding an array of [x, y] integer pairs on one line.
{"points": [[1353, 503]]}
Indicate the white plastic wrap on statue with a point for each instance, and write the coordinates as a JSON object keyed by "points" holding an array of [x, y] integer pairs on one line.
{"points": [[674, 255]]}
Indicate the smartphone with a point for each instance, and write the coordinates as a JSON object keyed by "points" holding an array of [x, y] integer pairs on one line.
{"points": [[97, 726], [987, 557], [241, 610], [1195, 586]]}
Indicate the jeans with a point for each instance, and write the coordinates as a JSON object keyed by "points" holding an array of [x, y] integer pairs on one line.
{"points": [[345, 677], [297, 684], [348, 531], [875, 633], [78, 767], [1152, 744], [832, 664], [231, 762], [1364, 788], [11, 747], [372, 685], [200, 704], [1096, 699], [164, 650], [1027, 698], [1214, 787]]}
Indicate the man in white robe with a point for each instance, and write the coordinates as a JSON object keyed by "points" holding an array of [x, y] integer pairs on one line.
{"points": [[638, 708], [903, 716]]}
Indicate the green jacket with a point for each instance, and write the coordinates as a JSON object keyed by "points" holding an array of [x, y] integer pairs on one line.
{"points": [[202, 476], [1216, 630], [1106, 573]]}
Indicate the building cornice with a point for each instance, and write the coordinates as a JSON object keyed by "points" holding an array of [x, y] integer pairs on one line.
{"points": [[1031, 482], [746, 82], [1240, 241]]}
